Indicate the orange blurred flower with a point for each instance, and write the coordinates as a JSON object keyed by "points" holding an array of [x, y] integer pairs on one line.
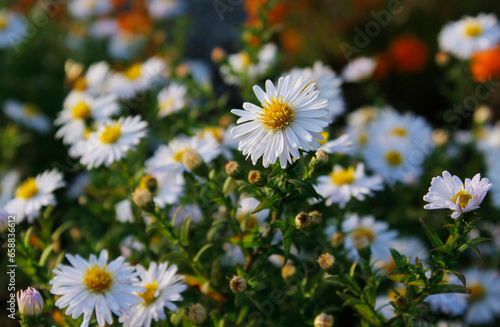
{"points": [[383, 66], [485, 64], [135, 21], [408, 54], [291, 40], [275, 16]]}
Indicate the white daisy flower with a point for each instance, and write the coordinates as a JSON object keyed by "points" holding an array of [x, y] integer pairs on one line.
{"points": [[112, 141], [186, 211], [167, 159], [123, 211], [78, 109], [448, 192], [8, 184], [124, 45], [28, 115], [91, 285], [342, 144], [172, 99], [163, 287], [484, 300], [328, 83], [470, 34], [164, 8], [35, 193], [358, 123], [129, 244], [168, 190], [95, 80], [84, 9], [410, 247], [452, 304], [291, 118], [359, 69], [367, 230], [342, 184], [224, 138], [13, 29]]}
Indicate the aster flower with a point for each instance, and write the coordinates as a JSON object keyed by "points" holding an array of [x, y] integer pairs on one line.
{"points": [[342, 184], [13, 29], [164, 8], [30, 302], [448, 192], [470, 34], [92, 286], [224, 138], [359, 69], [83, 9], [163, 287], [35, 193], [291, 118], [112, 141], [172, 99], [342, 144], [28, 115], [8, 184]]}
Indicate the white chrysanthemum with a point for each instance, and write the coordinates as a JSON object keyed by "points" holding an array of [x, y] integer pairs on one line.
{"points": [[328, 83], [410, 247], [112, 141], [223, 137], [358, 124], [13, 29], [342, 144], [8, 184], [137, 78], [164, 8], [291, 118], [184, 212], [123, 211], [28, 115], [163, 287], [95, 80], [342, 184], [172, 99], [78, 109], [367, 230], [167, 159], [170, 189], [448, 192], [91, 285], [359, 69], [83, 9], [35, 193], [470, 34], [129, 244]]}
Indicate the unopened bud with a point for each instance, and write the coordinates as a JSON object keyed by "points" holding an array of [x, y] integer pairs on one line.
{"points": [[238, 284], [142, 198], [326, 261], [338, 239], [288, 271], [150, 183], [316, 217], [401, 302], [302, 220], [257, 178], [194, 162], [197, 313], [233, 170], [482, 114], [30, 302], [218, 54], [320, 159], [323, 320]]}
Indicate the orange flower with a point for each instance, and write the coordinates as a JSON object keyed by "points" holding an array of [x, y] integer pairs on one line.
{"points": [[135, 21], [383, 66], [485, 64], [275, 16], [408, 54], [291, 40]]}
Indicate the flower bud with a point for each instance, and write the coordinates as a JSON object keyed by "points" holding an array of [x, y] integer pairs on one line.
{"points": [[401, 302], [197, 313], [194, 162], [302, 220], [233, 170], [238, 284], [323, 320], [257, 178], [338, 239], [320, 159], [30, 302], [142, 198], [326, 261], [150, 183], [218, 54], [288, 271], [316, 217]]}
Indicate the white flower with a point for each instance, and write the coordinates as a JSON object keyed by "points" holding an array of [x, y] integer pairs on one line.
{"points": [[13, 29], [184, 212], [342, 144], [342, 184], [223, 137], [172, 99], [167, 159], [170, 189], [91, 285], [470, 34], [163, 287], [244, 212], [359, 69], [27, 114], [112, 141], [129, 244], [95, 80], [410, 247], [124, 45], [164, 8], [291, 118], [83, 9], [30, 302], [328, 83], [7, 186], [35, 193], [78, 108], [123, 211], [4, 219], [448, 192]]}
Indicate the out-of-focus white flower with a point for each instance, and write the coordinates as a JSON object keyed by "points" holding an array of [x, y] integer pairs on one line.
{"points": [[8, 184], [359, 69], [164, 8], [28, 115], [186, 211], [172, 99], [84, 9], [13, 29]]}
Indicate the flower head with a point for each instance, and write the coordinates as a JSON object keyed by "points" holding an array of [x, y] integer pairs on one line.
{"points": [[30, 302]]}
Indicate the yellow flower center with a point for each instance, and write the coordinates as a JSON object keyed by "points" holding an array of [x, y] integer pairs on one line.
{"points": [[343, 176], [4, 20], [97, 279], [111, 134], [362, 138], [473, 29], [217, 133], [30, 110], [251, 222], [87, 132], [27, 189], [478, 292], [81, 110], [149, 295], [389, 265], [167, 104], [245, 59], [363, 233], [277, 114], [464, 198], [80, 84], [394, 158], [394, 293], [134, 71], [179, 154], [398, 131], [325, 135]]}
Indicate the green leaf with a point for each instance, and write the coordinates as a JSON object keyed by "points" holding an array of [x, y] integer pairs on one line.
{"points": [[201, 251], [395, 255], [279, 224], [45, 254], [468, 245], [353, 269], [267, 203], [184, 237], [433, 237], [448, 288], [305, 187], [399, 278], [478, 240], [287, 241], [246, 241], [456, 273]]}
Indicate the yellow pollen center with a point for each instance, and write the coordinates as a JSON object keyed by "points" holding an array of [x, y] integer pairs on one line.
{"points": [[473, 29], [398, 131], [217, 133], [87, 132], [27, 189], [251, 222], [464, 199], [149, 295], [134, 71], [343, 176], [80, 84], [167, 104], [81, 110], [394, 158], [178, 155], [325, 135], [478, 292], [97, 279], [362, 138], [277, 114], [245, 59], [365, 233], [4, 21], [30, 110], [111, 134]]}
